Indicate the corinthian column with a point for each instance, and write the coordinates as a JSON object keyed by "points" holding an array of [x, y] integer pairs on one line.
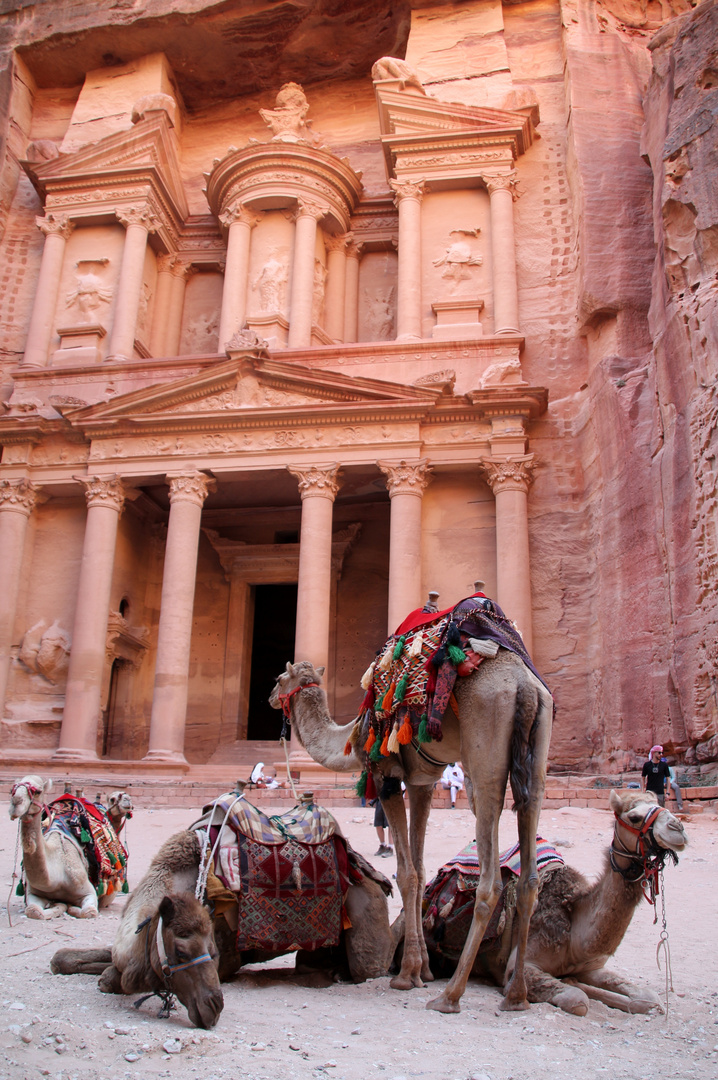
{"points": [[305, 242], [408, 198], [17, 501], [502, 192], [351, 293], [161, 313], [181, 272], [510, 479], [139, 223], [407, 482], [78, 736], [318, 487], [336, 285], [56, 229], [240, 221], [188, 492]]}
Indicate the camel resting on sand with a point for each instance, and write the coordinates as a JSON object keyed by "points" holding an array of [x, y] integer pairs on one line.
{"points": [[55, 868], [578, 925]]}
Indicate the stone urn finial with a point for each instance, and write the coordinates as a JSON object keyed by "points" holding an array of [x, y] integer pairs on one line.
{"points": [[287, 120]]}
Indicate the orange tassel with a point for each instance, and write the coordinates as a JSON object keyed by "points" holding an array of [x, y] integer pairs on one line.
{"points": [[388, 697], [405, 733], [385, 745], [370, 740], [348, 748]]}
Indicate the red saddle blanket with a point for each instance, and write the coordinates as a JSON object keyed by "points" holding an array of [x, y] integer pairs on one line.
{"points": [[91, 828]]}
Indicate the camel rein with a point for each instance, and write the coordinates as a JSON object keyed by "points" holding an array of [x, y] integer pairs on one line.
{"points": [[285, 700], [646, 862], [168, 970]]}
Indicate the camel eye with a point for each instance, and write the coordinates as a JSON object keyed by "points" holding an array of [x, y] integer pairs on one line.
{"points": [[635, 817]]}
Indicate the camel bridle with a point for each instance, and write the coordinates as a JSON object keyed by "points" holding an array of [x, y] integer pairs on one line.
{"points": [[167, 995], [646, 860], [285, 700], [32, 791]]}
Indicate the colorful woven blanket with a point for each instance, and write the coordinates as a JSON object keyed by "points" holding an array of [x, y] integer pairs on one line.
{"points": [[448, 904], [92, 829]]}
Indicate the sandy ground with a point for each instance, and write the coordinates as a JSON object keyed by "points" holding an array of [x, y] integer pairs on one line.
{"points": [[274, 1027]]}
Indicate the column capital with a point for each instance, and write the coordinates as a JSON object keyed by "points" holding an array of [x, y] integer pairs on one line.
{"points": [[406, 477], [165, 263], [305, 208], [502, 182], [19, 496], [103, 491], [355, 248], [339, 243], [137, 215], [191, 487], [510, 473], [407, 189], [238, 212], [181, 269], [55, 225], [321, 480]]}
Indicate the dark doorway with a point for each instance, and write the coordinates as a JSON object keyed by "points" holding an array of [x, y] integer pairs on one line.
{"points": [[111, 723], [275, 616]]}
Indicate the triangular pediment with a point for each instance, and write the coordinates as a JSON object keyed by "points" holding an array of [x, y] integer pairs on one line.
{"points": [[245, 387], [149, 146]]}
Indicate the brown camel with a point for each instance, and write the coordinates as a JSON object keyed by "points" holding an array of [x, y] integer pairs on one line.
{"points": [[133, 964], [578, 925], [502, 728], [55, 868]]}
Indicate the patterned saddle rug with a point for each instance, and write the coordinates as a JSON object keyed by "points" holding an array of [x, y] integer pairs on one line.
{"points": [[283, 876], [448, 904], [90, 827]]}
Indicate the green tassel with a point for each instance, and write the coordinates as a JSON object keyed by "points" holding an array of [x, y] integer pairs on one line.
{"points": [[422, 735], [398, 647], [20, 888], [125, 887], [456, 655], [361, 785], [113, 859], [100, 888], [401, 689], [375, 752], [123, 860], [85, 837]]}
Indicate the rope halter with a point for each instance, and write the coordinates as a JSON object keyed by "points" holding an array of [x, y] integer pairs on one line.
{"points": [[168, 970], [32, 791], [648, 855], [285, 700]]}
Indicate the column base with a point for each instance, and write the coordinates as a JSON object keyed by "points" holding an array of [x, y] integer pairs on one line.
{"points": [[117, 358], [506, 330], [407, 338], [169, 757], [66, 753]]}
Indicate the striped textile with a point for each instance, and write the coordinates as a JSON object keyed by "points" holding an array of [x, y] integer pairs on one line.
{"points": [[310, 824], [414, 666], [467, 862]]}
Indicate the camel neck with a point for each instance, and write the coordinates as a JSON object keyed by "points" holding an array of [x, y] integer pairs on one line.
{"points": [[609, 908], [324, 740]]}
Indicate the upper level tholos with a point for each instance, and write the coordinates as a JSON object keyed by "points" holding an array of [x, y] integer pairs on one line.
{"points": [[296, 247]]}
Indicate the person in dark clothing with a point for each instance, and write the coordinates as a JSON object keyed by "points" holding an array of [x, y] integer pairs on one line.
{"points": [[655, 775]]}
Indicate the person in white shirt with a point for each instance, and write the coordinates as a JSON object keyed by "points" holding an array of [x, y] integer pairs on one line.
{"points": [[453, 779]]}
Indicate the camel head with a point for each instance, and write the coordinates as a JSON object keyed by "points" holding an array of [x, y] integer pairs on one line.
{"points": [[292, 679], [633, 808], [26, 796], [189, 966], [119, 807]]}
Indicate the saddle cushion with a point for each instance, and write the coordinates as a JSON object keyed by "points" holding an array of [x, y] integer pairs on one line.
{"points": [[90, 827]]}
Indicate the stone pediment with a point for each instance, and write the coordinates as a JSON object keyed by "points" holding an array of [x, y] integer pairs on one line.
{"points": [[247, 387]]}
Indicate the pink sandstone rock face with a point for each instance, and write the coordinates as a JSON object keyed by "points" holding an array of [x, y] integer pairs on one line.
{"points": [[615, 222]]}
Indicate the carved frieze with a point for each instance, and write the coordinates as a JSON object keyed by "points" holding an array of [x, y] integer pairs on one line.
{"points": [[445, 379]]}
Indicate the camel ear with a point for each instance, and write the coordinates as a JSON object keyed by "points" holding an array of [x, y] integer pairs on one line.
{"points": [[113, 800], [167, 910], [320, 670], [290, 668], [615, 802], [47, 786]]}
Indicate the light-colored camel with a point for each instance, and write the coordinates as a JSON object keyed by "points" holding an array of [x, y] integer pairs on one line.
{"points": [[132, 965], [578, 925], [502, 728], [55, 868]]}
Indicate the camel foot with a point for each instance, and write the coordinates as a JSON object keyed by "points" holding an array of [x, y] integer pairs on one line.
{"points": [[83, 913], [426, 974], [33, 911], [406, 982], [443, 1004], [508, 1005]]}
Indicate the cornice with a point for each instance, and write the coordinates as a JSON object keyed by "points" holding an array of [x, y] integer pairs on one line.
{"points": [[528, 401]]}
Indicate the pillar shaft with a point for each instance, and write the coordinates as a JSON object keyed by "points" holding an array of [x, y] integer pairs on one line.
{"points": [[81, 716], [318, 487], [57, 228], [180, 272], [406, 483], [161, 313], [17, 501], [351, 294], [336, 286], [510, 480], [169, 700], [503, 253], [138, 224], [300, 309], [408, 310], [240, 222]]}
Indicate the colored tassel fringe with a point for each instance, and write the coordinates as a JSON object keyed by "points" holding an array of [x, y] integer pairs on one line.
{"points": [[405, 732], [371, 739], [401, 689], [385, 744], [368, 701], [398, 648], [422, 735], [361, 785], [125, 887], [393, 740], [368, 675], [385, 661], [348, 748], [456, 654], [376, 751], [20, 888], [388, 698], [414, 649]]}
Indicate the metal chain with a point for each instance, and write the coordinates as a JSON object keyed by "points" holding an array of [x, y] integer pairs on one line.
{"points": [[664, 946], [14, 873]]}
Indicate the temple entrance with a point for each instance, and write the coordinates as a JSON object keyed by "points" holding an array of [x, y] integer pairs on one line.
{"points": [[275, 616], [112, 715]]}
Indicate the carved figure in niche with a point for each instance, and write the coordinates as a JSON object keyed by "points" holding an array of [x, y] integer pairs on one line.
{"points": [[271, 284], [380, 314], [201, 333], [320, 277], [286, 121], [390, 67], [46, 651], [88, 294], [458, 259], [502, 371], [143, 306]]}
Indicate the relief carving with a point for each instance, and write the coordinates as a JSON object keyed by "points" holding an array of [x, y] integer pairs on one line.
{"points": [[502, 372], [320, 277], [380, 314], [201, 333], [458, 259], [45, 650], [390, 67], [287, 120], [271, 284], [446, 380]]}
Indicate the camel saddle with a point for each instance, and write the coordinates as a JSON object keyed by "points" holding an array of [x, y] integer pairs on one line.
{"points": [[91, 829]]}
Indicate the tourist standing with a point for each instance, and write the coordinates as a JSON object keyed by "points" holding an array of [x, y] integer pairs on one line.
{"points": [[655, 775]]}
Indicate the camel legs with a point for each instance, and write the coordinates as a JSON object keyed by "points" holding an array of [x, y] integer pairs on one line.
{"points": [[38, 907], [603, 985], [540, 986]]}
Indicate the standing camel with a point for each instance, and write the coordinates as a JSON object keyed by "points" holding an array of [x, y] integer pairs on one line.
{"points": [[501, 727], [55, 868]]}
